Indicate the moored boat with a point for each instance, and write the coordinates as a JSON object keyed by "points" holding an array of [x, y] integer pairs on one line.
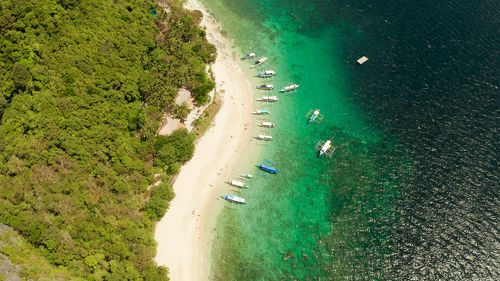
{"points": [[267, 125], [290, 87], [234, 199], [326, 146], [249, 56], [259, 62], [237, 183], [264, 137], [268, 98], [266, 87], [314, 115], [247, 176], [269, 169], [266, 74], [261, 112]]}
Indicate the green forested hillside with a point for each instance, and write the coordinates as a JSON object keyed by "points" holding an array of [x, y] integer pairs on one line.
{"points": [[20, 260], [83, 85]]}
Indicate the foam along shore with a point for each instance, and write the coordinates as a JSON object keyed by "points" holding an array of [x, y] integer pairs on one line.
{"points": [[183, 245]]}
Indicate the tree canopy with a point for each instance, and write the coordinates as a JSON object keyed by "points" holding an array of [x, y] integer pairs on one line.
{"points": [[83, 85]]}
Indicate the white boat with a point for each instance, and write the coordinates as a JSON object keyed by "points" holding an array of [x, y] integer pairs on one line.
{"points": [[266, 74], [249, 56], [237, 183], [314, 115], [267, 125], [259, 62], [247, 176], [268, 98], [234, 198], [261, 112], [266, 87], [326, 146], [290, 87], [264, 137]]}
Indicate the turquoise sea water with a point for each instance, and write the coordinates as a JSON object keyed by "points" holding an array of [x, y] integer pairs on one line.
{"points": [[412, 188]]}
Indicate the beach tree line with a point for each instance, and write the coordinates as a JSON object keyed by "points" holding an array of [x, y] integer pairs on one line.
{"points": [[84, 86]]}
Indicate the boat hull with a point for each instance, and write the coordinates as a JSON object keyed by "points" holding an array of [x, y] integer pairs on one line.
{"points": [[268, 169]]}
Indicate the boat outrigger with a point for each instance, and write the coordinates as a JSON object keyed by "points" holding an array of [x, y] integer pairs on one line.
{"points": [[267, 125], [325, 148], [266, 74], [246, 176], [249, 56], [266, 87], [289, 88], [259, 62], [261, 112], [268, 98], [237, 183], [264, 137], [313, 115], [234, 199], [269, 169]]}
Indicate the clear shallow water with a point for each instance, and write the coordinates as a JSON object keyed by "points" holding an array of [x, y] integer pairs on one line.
{"points": [[412, 191]]}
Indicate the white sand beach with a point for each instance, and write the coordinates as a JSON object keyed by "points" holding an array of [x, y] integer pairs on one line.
{"points": [[183, 245]]}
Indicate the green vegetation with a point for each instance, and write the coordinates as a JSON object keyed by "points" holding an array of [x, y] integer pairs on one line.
{"points": [[83, 88], [203, 123], [28, 262]]}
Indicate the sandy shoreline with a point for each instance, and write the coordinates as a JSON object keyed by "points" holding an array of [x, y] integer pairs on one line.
{"points": [[182, 234]]}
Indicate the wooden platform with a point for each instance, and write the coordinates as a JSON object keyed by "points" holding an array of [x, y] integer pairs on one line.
{"points": [[362, 60]]}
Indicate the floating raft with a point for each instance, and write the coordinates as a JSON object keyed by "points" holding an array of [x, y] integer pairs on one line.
{"points": [[362, 60]]}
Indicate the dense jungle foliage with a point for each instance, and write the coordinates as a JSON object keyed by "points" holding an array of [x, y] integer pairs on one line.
{"points": [[83, 87]]}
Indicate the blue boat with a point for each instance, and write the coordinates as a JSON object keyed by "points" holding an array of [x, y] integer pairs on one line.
{"points": [[234, 199], [314, 116], [269, 169], [261, 112]]}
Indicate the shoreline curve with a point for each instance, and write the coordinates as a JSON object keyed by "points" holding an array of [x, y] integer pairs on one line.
{"points": [[183, 234]]}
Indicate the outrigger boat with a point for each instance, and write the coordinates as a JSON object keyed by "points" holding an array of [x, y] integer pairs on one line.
{"points": [[266, 87], [264, 137], [289, 88], [266, 74], [249, 56], [325, 148], [268, 98], [269, 169], [261, 112], [237, 183], [267, 125], [259, 62], [246, 176], [234, 198], [314, 115]]}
